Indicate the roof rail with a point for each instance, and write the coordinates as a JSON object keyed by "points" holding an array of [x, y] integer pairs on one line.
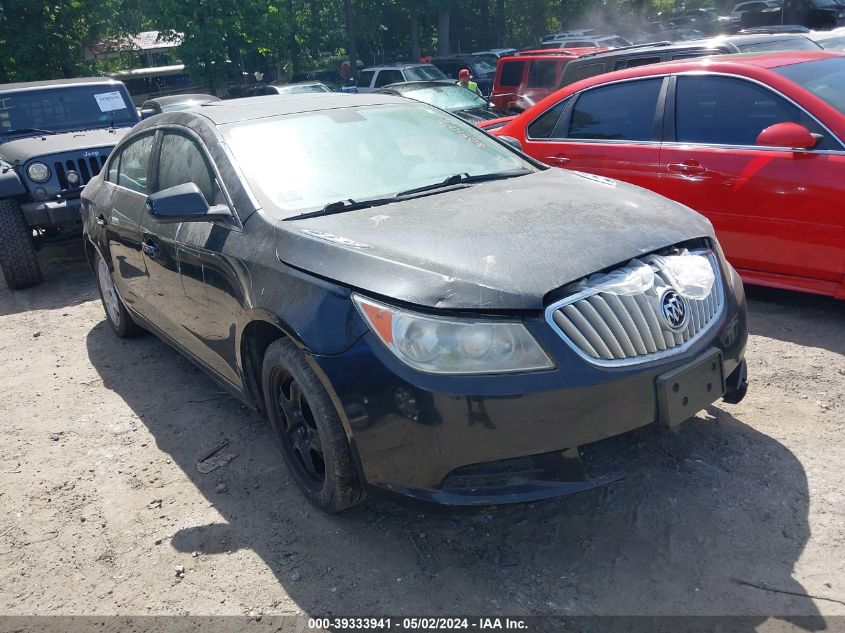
{"points": [[632, 47]]}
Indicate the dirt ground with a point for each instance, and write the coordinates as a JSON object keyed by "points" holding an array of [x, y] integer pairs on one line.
{"points": [[741, 511]]}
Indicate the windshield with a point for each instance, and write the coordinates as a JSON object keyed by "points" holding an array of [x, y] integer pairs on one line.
{"points": [[65, 109], [424, 73], [447, 97], [793, 44], [833, 43], [483, 68], [825, 78], [303, 162]]}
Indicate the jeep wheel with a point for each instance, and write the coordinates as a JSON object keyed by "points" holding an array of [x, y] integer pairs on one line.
{"points": [[17, 253]]}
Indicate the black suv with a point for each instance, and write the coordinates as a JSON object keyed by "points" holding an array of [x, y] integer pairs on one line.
{"points": [[54, 137]]}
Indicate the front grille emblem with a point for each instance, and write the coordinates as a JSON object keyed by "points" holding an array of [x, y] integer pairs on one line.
{"points": [[674, 310]]}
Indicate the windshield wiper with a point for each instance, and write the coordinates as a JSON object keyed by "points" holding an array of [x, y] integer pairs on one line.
{"points": [[464, 178], [348, 204]]}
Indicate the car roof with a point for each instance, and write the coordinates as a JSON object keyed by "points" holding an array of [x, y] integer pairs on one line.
{"points": [[410, 86], [233, 110], [179, 98], [398, 65], [57, 83], [751, 38]]}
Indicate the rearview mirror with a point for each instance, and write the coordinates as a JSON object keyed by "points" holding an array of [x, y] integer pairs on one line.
{"points": [[184, 203], [791, 135]]}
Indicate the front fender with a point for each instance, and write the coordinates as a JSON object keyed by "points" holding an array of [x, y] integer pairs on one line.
{"points": [[10, 184]]}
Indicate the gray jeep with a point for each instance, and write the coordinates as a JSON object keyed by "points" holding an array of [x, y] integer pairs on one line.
{"points": [[54, 137]]}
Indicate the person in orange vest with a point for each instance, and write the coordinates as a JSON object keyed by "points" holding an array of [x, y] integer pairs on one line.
{"points": [[464, 79]]}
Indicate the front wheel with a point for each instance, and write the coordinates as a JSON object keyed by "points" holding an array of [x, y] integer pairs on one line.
{"points": [[117, 316], [308, 429], [17, 252]]}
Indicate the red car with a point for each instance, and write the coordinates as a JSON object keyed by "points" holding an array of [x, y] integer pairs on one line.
{"points": [[525, 78], [754, 142]]}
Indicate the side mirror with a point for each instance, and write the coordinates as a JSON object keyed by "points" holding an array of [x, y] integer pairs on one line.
{"points": [[184, 203], [789, 135], [146, 113], [511, 141]]}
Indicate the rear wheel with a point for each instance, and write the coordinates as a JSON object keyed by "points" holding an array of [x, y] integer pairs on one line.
{"points": [[116, 313], [17, 253], [308, 429]]}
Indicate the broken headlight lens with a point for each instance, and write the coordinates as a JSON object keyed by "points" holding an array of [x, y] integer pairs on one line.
{"points": [[440, 345]]}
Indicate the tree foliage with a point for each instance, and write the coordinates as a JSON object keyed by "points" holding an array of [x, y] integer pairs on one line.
{"points": [[44, 39]]}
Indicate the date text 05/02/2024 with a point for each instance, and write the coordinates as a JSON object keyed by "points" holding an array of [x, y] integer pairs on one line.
{"points": [[422, 623]]}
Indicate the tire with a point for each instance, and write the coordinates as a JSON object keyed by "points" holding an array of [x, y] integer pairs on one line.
{"points": [[17, 252], [117, 316], [308, 430]]}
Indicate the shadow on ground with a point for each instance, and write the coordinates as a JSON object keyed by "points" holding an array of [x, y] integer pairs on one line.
{"points": [[707, 511], [796, 317]]}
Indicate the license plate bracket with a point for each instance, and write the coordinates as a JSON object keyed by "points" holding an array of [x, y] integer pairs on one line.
{"points": [[686, 390]]}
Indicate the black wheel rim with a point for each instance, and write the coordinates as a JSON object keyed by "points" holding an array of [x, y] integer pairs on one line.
{"points": [[298, 428]]}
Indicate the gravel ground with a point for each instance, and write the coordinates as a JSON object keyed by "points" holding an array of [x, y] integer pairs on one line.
{"points": [[104, 511]]}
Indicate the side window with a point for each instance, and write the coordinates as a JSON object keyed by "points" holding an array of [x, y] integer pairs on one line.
{"points": [[543, 126], [511, 74], [582, 71], [386, 77], [111, 176], [366, 78], [623, 112], [636, 61], [182, 161], [542, 74], [728, 111], [134, 164]]}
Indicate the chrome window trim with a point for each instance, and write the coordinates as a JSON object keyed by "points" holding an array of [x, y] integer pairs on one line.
{"points": [[718, 318]]}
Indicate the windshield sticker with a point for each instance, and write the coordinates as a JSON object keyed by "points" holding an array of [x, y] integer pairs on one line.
{"points": [[109, 101]]}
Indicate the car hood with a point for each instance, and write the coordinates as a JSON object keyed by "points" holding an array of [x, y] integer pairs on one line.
{"points": [[501, 245], [24, 148]]}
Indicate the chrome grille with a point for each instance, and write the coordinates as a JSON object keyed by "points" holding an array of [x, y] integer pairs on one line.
{"points": [[610, 329], [87, 168]]}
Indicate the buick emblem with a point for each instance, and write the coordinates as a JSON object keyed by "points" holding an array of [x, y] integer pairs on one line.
{"points": [[674, 310]]}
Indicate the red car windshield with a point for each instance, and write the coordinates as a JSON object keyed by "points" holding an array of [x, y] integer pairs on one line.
{"points": [[825, 78]]}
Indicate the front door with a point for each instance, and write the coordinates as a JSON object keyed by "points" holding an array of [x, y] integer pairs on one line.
{"points": [[774, 210]]}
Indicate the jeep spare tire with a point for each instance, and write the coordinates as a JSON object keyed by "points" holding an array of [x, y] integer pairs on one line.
{"points": [[17, 253]]}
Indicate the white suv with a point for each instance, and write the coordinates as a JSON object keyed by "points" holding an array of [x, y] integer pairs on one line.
{"points": [[377, 77]]}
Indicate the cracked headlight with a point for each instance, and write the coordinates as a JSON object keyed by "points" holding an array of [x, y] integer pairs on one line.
{"points": [[439, 345]]}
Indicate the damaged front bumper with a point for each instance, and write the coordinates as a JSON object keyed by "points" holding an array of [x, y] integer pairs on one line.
{"points": [[479, 440]]}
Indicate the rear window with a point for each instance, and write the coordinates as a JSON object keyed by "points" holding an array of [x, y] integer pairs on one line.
{"points": [[511, 73], [576, 72], [621, 112], [542, 74]]}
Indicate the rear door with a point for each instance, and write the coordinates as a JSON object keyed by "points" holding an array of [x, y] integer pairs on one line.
{"points": [[120, 211], [775, 210], [611, 130]]}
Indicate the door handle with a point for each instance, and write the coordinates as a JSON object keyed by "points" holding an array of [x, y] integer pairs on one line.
{"points": [[688, 167], [559, 159], [101, 220], [149, 249]]}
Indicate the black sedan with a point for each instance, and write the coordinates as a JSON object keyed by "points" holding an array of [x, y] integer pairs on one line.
{"points": [[450, 97], [419, 309]]}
